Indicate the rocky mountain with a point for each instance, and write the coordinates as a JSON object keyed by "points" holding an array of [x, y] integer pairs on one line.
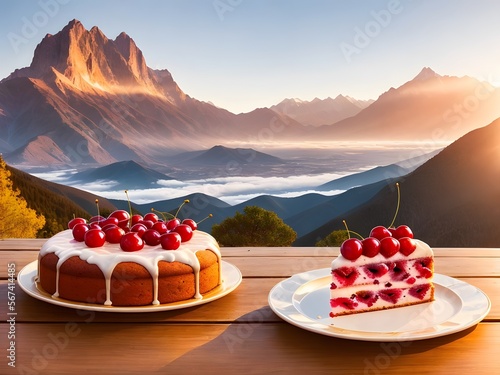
{"points": [[321, 111], [430, 108], [451, 200], [87, 99]]}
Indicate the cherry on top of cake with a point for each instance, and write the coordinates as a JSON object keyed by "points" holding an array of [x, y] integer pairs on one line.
{"points": [[133, 231], [386, 241]]}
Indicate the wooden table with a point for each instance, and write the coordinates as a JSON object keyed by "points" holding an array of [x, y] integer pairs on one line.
{"points": [[237, 334]]}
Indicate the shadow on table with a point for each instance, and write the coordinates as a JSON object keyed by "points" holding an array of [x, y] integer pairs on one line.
{"points": [[254, 345]]}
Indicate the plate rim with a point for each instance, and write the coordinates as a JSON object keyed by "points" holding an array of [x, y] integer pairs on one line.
{"points": [[289, 286], [25, 279]]}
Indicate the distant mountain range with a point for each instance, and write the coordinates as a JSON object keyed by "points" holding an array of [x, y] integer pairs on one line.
{"points": [[450, 200], [321, 111], [89, 100]]}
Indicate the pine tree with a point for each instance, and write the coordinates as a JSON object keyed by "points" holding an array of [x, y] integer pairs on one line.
{"points": [[17, 220]]}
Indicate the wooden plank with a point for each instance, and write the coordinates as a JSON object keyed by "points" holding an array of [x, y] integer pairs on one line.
{"points": [[258, 348]]}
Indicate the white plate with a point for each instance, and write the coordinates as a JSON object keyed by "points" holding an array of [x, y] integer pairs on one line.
{"points": [[303, 300], [231, 278]]}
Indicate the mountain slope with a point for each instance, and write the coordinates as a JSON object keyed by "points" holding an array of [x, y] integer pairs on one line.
{"points": [[58, 203], [451, 200]]}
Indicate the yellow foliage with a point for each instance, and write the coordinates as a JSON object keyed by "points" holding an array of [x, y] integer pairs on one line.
{"points": [[17, 220]]}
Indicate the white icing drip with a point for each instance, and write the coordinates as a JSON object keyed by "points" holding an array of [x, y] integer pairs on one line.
{"points": [[423, 250], [109, 256]]}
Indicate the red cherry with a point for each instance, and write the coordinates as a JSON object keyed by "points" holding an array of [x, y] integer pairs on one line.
{"points": [[403, 231], [380, 232], [136, 219], [139, 228], [131, 242], [79, 232], [191, 223], [371, 247], [76, 220], [95, 225], [108, 226], [160, 227], [185, 231], [114, 234], [151, 216], [389, 246], [97, 219], [408, 245], [351, 249], [94, 237], [172, 223], [151, 237], [147, 223], [122, 216], [109, 220], [170, 241]]}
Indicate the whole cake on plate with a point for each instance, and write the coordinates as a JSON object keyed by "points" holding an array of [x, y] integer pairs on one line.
{"points": [[129, 261], [389, 269]]}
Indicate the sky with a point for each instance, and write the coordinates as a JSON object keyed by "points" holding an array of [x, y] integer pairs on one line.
{"points": [[246, 54]]}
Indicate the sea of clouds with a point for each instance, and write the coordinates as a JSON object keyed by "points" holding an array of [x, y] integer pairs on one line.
{"points": [[231, 189]]}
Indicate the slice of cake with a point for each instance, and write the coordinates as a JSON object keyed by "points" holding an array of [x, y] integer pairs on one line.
{"points": [[389, 269]]}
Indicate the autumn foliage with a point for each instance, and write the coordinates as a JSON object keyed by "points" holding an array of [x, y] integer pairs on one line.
{"points": [[17, 220]]}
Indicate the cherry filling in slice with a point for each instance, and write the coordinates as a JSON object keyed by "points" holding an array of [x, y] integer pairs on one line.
{"points": [[345, 275], [424, 267], [390, 295], [344, 302], [419, 291], [367, 297], [376, 270], [399, 270]]}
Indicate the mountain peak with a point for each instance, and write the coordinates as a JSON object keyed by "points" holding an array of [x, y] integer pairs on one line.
{"points": [[89, 61], [425, 74]]}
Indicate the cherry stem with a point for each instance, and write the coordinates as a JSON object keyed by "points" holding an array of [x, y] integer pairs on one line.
{"points": [[183, 203], [397, 206], [98, 214], [202, 220], [351, 231], [129, 207], [162, 214], [347, 229]]}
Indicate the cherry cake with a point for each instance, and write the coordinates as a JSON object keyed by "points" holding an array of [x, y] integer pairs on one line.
{"points": [[389, 269]]}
